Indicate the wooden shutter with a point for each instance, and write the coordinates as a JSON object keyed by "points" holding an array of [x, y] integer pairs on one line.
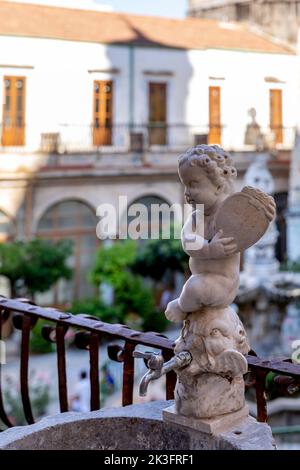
{"points": [[276, 115], [13, 127], [214, 115], [157, 113], [103, 112]]}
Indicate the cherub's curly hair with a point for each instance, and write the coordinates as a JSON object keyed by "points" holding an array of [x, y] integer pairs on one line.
{"points": [[217, 164]]}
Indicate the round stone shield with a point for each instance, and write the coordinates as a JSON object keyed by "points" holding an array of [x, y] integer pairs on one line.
{"points": [[246, 216]]}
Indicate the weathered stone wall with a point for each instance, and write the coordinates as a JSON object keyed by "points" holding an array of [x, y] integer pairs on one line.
{"points": [[280, 18], [222, 12]]}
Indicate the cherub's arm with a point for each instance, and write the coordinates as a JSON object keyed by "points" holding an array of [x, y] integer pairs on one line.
{"points": [[192, 236], [196, 246]]}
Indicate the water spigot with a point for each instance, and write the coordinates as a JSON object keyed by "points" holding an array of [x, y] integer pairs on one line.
{"points": [[155, 363], [157, 367]]}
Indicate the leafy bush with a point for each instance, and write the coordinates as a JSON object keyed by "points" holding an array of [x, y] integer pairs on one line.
{"points": [[95, 307], [39, 390], [156, 257], [291, 266], [36, 264], [38, 344], [133, 300], [113, 263], [45, 264]]}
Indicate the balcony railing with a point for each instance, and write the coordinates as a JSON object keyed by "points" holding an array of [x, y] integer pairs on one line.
{"points": [[90, 333], [72, 139]]}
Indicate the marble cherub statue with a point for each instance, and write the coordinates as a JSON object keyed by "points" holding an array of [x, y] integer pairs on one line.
{"points": [[209, 354], [208, 177], [212, 383]]}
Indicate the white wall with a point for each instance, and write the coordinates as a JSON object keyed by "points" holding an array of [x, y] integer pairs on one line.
{"points": [[60, 88], [243, 87]]}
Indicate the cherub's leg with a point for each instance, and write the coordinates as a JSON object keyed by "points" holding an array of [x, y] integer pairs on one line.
{"points": [[188, 301], [174, 312], [199, 291], [195, 293], [210, 290]]}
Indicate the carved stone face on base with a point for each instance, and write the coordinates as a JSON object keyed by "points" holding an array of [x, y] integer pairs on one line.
{"points": [[213, 382], [209, 333]]}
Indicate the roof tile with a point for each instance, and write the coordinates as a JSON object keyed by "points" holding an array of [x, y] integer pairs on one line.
{"points": [[32, 20]]}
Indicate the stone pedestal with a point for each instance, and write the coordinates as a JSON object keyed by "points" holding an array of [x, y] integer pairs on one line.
{"points": [[215, 426], [212, 384], [209, 395]]}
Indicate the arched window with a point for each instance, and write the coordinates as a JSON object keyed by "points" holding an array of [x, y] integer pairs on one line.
{"points": [[151, 216], [7, 228], [75, 221]]}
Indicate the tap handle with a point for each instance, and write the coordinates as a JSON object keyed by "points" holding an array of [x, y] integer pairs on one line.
{"points": [[153, 360], [143, 355]]}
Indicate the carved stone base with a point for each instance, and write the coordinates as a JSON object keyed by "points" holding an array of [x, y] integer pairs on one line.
{"points": [[212, 384], [216, 425], [208, 395]]}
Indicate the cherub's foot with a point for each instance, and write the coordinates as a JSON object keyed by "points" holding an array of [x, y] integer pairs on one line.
{"points": [[174, 312]]}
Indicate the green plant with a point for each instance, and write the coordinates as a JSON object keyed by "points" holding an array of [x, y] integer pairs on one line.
{"points": [[38, 345], [156, 257], [45, 264], [291, 266], [39, 391], [113, 263], [133, 300], [36, 264], [11, 263], [95, 307]]}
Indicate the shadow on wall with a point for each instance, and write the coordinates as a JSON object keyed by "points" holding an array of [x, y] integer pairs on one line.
{"points": [[153, 93]]}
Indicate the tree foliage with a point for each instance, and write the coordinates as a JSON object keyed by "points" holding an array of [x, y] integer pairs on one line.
{"points": [[156, 257], [291, 266], [133, 300], [36, 265], [113, 263]]}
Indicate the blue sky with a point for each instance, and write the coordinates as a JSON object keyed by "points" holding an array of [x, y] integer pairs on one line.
{"points": [[171, 8]]}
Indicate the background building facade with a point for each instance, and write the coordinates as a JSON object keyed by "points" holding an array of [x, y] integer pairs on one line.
{"points": [[99, 105]]}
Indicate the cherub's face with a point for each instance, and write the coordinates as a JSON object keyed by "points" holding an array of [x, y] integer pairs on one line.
{"points": [[198, 189]]}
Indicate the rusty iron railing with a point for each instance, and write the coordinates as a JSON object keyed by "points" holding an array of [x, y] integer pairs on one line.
{"points": [[91, 332]]}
